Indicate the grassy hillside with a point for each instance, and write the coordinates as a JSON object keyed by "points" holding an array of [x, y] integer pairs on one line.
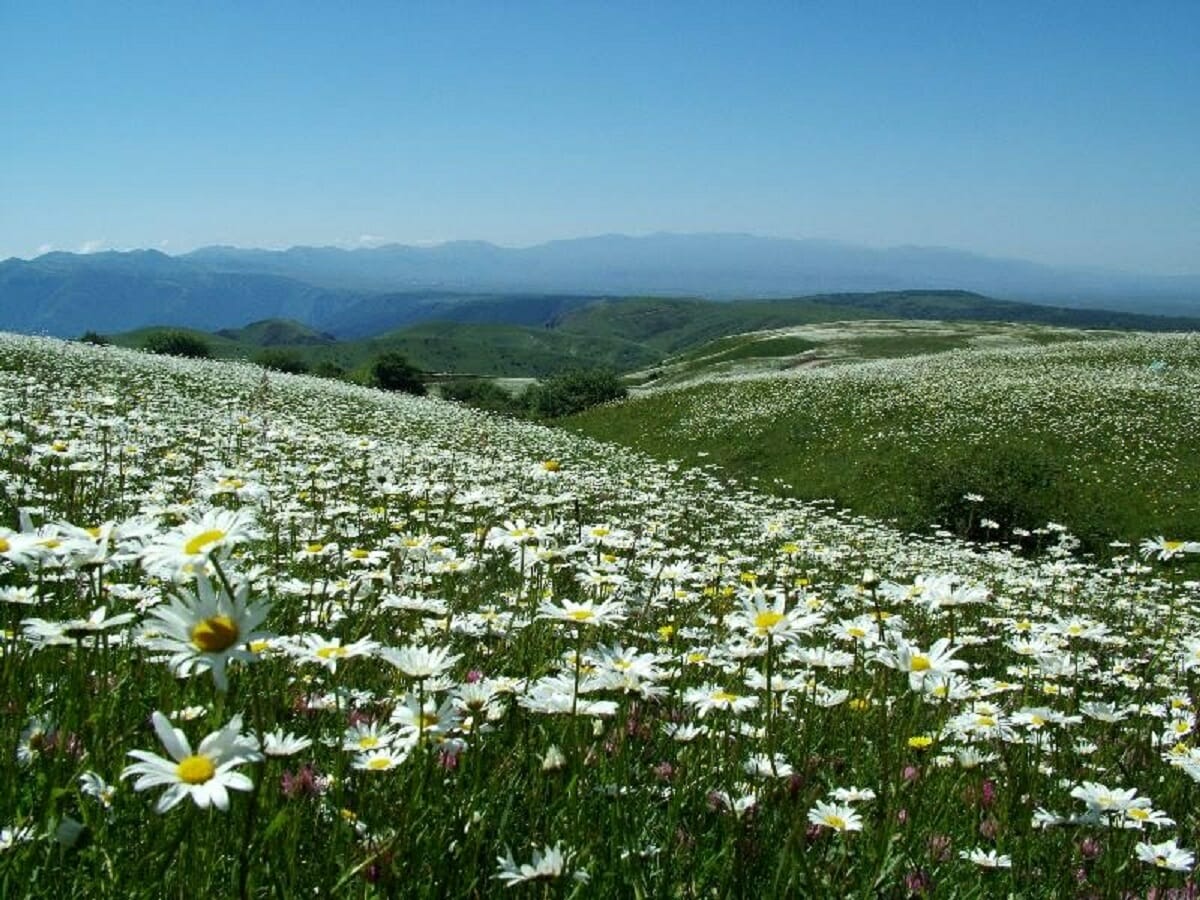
{"points": [[477, 349], [222, 346], [507, 350], [823, 343], [534, 336], [1098, 435], [278, 333], [675, 325], [301, 638]]}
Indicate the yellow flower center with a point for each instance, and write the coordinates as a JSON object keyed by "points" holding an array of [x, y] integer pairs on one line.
{"points": [[767, 620], [202, 540], [5, 546], [359, 553], [1139, 815], [724, 697], [215, 634], [835, 822], [580, 615], [380, 763], [368, 742], [1172, 545], [920, 663], [331, 652], [315, 548], [551, 465], [856, 632], [195, 769], [985, 721]]}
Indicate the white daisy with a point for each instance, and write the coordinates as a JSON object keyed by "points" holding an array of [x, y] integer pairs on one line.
{"points": [[207, 775]]}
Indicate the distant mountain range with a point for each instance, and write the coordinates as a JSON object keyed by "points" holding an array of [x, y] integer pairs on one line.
{"points": [[352, 293]]}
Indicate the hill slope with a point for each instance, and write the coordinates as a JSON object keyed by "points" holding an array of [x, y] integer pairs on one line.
{"points": [[1093, 434]]}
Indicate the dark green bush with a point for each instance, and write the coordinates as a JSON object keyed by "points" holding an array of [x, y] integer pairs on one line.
{"points": [[392, 371], [178, 343], [1020, 487], [327, 368], [572, 392], [282, 361], [93, 337], [482, 394]]}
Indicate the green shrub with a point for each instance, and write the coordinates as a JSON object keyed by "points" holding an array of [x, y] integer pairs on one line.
{"points": [[572, 392], [178, 343], [482, 394], [392, 371], [1019, 486], [282, 361], [327, 368], [93, 337]]}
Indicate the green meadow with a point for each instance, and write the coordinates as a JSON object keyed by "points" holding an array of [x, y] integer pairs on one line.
{"points": [[269, 635]]}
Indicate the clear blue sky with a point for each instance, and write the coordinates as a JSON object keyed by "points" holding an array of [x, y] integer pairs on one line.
{"points": [[1064, 132]]}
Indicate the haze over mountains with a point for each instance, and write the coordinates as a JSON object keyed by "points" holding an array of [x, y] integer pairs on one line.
{"points": [[353, 292]]}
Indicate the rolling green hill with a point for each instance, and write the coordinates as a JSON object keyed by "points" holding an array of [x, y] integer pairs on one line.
{"points": [[278, 333], [555, 334], [674, 325], [1091, 433], [476, 349]]}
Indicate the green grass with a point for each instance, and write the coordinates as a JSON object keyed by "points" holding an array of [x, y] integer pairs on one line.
{"points": [[489, 350], [661, 673], [1082, 434]]}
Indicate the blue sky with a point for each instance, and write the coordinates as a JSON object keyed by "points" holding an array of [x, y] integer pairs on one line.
{"points": [[1064, 132]]}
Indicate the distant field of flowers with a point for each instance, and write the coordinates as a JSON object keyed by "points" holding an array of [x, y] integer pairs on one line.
{"points": [[276, 636], [1099, 435]]}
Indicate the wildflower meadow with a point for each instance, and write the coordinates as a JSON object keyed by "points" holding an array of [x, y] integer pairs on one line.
{"points": [[273, 636]]}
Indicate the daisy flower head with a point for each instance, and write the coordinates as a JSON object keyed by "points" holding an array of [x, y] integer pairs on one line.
{"points": [[10, 836], [1164, 549], [420, 662], [835, 816], [183, 551], [204, 629], [711, 697], [364, 737], [328, 652], [765, 617], [546, 864], [762, 765], [1101, 799], [206, 775], [607, 612], [417, 720], [93, 785], [986, 859], [921, 665], [382, 760], [853, 795], [1167, 855], [279, 743]]}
